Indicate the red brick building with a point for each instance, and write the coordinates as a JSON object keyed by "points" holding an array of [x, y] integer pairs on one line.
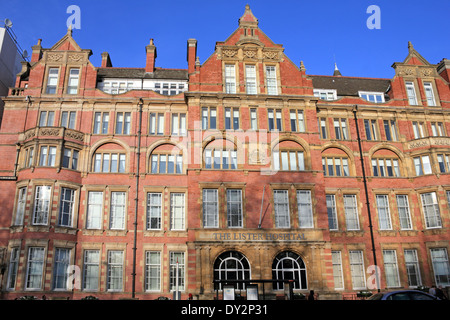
{"points": [[241, 167]]}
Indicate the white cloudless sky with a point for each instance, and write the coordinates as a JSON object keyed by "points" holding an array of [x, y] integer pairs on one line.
{"points": [[319, 33]]}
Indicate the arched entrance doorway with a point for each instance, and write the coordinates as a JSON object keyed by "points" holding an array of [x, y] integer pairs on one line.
{"points": [[231, 265], [288, 265]]}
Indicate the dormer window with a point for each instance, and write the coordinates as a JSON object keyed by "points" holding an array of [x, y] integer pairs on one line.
{"points": [[375, 97], [325, 94]]}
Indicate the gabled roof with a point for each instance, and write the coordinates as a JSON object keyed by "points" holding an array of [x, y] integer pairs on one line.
{"points": [[67, 43], [414, 57]]}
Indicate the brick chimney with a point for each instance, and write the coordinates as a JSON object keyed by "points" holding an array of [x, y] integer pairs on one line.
{"points": [[36, 54], [151, 56], [191, 54], [106, 60], [443, 69]]}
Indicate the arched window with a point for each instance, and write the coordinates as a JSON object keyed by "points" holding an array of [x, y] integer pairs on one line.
{"points": [[110, 157], [232, 265], [220, 154], [288, 156], [289, 266], [385, 163], [166, 159], [335, 163]]}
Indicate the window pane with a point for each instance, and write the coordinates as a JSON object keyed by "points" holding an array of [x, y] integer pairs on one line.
{"points": [[210, 208], [305, 213]]}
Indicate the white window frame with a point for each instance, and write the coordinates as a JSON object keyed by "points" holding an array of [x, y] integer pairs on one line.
{"points": [[338, 275], [357, 270], [60, 264], [175, 256], [338, 165], [384, 214], [288, 160], [123, 123], [91, 270], [419, 129], [323, 127], [325, 94], [331, 211], [437, 129], [46, 118], [351, 212], [35, 265], [234, 208], [152, 271], [47, 156], [101, 122], [305, 211], [154, 210], [94, 211], [20, 206], [68, 119], [42, 205], [404, 212], [210, 208], [431, 210], [429, 93], [340, 129], [230, 78], [390, 130], [109, 162], [275, 119], [115, 268], [179, 124], [439, 260], [52, 81], [271, 80], [156, 123], [117, 210], [391, 268], [208, 115], [422, 165], [282, 217], [177, 211], [371, 129], [297, 120], [378, 97], [66, 207], [253, 119], [412, 267], [13, 267], [232, 116], [250, 79], [74, 80], [411, 93]]}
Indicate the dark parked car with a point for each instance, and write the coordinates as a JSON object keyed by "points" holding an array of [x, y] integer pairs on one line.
{"points": [[403, 295]]}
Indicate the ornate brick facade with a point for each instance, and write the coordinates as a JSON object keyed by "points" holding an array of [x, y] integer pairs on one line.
{"points": [[240, 167]]}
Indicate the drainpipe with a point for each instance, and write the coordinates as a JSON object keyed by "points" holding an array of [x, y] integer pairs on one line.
{"points": [[367, 199], [138, 154]]}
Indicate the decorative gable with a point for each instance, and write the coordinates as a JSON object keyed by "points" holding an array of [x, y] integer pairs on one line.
{"points": [[415, 65]]}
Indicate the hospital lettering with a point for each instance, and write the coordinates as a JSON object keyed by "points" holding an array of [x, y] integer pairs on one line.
{"points": [[258, 236]]}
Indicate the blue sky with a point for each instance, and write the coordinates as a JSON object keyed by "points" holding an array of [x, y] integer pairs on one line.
{"points": [[318, 32]]}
